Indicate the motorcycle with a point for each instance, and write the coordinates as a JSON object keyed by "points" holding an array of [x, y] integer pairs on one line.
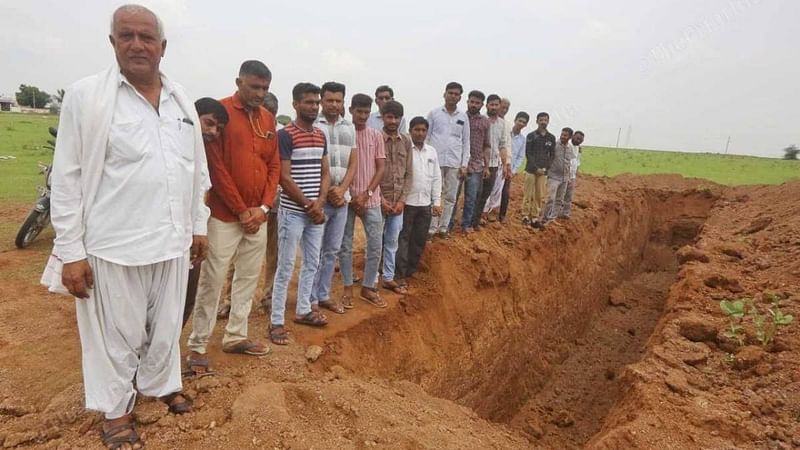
{"points": [[39, 217]]}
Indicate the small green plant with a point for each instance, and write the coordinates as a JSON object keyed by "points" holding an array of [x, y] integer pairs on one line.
{"points": [[735, 311], [766, 324]]}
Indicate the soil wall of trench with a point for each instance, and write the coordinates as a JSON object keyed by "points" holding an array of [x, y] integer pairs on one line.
{"points": [[506, 308]]}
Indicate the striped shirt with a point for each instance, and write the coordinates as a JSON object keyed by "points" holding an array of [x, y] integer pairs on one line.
{"points": [[369, 142], [305, 150]]}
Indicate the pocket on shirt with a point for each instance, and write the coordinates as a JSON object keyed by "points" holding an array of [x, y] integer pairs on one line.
{"points": [[182, 136], [128, 140]]}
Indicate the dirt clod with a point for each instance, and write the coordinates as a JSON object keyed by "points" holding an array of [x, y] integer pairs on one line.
{"points": [[748, 356], [676, 381], [313, 352], [697, 329], [689, 253]]}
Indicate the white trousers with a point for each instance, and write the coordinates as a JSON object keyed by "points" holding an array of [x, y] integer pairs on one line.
{"points": [[497, 192], [224, 241], [130, 328]]}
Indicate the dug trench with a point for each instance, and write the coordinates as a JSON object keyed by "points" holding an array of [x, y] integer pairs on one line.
{"points": [[533, 333]]}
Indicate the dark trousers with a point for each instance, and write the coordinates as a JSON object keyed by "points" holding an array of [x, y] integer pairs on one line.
{"points": [[191, 292], [505, 198], [416, 221], [483, 196]]}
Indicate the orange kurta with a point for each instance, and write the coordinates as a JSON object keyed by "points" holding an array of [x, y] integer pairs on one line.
{"points": [[243, 162]]}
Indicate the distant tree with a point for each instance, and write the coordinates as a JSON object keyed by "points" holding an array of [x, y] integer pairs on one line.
{"points": [[32, 96], [791, 152], [283, 119]]}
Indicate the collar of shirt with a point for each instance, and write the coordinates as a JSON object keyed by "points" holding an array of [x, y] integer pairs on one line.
{"points": [[388, 137], [166, 84], [456, 111], [339, 121]]}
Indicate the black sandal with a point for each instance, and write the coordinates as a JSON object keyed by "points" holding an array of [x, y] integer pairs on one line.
{"points": [[177, 408], [112, 441], [313, 319]]}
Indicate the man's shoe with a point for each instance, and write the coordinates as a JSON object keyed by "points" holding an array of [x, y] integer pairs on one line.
{"points": [[537, 224], [444, 235], [526, 220]]}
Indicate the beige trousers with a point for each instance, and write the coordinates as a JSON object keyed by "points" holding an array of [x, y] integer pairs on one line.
{"points": [[535, 193], [224, 241]]}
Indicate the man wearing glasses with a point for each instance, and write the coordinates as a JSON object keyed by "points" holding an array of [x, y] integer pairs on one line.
{"points": [[244, 167]]}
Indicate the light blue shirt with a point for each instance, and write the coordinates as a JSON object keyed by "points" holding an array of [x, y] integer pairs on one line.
{"points": [[517, 151], [448, 133]]}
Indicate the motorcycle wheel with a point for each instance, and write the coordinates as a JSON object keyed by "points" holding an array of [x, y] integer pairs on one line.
{"points": [[33, 225]]}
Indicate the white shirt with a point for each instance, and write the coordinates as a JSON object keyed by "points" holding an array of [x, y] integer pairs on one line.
{"points": [[143, 208], [498, 138], [426, 184], [340, 138], [449, 135]]}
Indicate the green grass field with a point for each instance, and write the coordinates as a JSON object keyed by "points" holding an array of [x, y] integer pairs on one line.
{"points": [[723, 169], [23, 136]]}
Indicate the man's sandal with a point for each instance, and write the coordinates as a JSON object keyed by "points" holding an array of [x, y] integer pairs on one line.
{"points": [[332, 306], [346, 301], [395, 287], [278, 335], [192, 363], [373, 298], [313, 319], [247, 347], [113, 440], [178, 408]]}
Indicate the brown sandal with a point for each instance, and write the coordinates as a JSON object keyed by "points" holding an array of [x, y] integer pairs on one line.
{"points": [[346, 301], [113, 440], [312, 319], [371, 296], [395, 287], [278, 335], [332, 306]]}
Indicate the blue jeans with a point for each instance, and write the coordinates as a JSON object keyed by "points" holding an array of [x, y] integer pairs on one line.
{"points": [[295, 229], [335, 220], [373, 227], [391, 236], [472, 189]]}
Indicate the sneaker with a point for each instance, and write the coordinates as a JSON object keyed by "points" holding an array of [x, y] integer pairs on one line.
{"points": [[526, 220], [444, 235]]}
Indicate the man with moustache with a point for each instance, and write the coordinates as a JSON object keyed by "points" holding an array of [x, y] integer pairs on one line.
{"points": [[479, 154], [244, 170], [129, 176]]}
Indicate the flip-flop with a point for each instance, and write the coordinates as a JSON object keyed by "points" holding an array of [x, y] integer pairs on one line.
{"points": [[395, 287], [313, 319], [112, 439], [332, 306], [245, 347], [178, 408], [375, 301], [346, 301]]}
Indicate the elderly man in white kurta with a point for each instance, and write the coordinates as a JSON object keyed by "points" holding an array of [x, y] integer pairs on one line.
{"points": [[129, 176]]}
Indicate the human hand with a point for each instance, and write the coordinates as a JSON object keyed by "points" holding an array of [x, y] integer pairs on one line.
{"points": [[462, 173], [199, 250], [77, 278], [486, 173], [399, 207], [540, 171]]}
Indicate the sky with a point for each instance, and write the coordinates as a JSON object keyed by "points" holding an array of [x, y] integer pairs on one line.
{"points": [[658, 74]]}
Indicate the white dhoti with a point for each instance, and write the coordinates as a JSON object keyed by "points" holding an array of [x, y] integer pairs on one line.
{"points": [[497, 192], [130, 329]]}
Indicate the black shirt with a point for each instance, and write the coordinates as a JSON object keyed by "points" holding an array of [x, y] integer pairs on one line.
{"points": [[539, 151]]}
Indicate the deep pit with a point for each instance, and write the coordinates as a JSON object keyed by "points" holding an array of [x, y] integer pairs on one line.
{"points": [[533, 332]]}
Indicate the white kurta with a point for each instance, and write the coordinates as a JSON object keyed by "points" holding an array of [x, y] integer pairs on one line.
{"points": [[128, 187]]}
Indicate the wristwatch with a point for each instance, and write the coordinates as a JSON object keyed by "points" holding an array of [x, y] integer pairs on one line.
{"points": [[265, 208], [370, 192]]}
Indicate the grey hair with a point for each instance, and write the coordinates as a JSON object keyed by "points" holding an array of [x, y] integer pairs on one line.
{"points": [[505, 99], [133, 8]]}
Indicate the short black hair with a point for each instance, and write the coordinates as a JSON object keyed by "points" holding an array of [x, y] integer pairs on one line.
{"points": [[208, 105], [542, 114], [568, 130], [492, 97], [579, 132], [384, 88], [454, 85], [392, 107], [361, 101], [477, 94], [257, 68], [271, 103], [419, 120], [301, 89], [523, 115], [332, 86]]}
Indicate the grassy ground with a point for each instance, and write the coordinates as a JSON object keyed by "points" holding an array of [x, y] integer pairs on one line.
{"points": [[723, 169], [23, 137]]}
